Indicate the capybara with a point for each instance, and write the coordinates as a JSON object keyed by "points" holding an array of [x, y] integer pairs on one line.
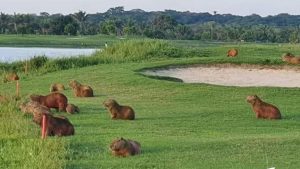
{"points": [[54, 100], [3, 99], [32, 107], [72, 109], [56, 126], [232, 53], [11, 77], [81, 90], [125, 147], [290, 58], [262, 109], [55, 87], [118, 111]]}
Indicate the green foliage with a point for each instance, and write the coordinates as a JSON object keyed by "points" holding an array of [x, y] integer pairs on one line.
{"points": [[20, 143]]}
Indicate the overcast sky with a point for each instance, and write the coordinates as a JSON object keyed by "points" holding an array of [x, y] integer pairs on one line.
{"points": [[237, 7]]}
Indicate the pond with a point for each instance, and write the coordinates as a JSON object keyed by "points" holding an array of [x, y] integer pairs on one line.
{"points": [[12, 54], [233, 75]]}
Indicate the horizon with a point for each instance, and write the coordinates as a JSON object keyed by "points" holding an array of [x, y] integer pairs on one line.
{"points": [[65, 7]]}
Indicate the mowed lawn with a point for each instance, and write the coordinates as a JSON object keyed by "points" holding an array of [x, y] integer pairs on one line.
{"points": [[178, 125]]}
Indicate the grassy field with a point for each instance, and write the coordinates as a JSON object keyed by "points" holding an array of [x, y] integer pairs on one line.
{"points": [[195, 126]]}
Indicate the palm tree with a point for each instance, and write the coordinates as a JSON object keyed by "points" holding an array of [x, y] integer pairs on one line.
{"points": [[80, 17]]}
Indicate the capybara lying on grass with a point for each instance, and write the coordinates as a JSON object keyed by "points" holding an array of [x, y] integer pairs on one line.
{"points": [[119, 112], [10, 77], [72, 109], [290, 58], [123, 148], [81, 90], [262, 109], [55, 100], [55, 87], [56, 126], [32, 107], [232, 53]]}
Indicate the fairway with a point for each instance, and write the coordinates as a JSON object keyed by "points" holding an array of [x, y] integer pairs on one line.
{"points": [[193, 126]]}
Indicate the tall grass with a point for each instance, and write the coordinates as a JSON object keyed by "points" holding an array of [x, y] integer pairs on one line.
{"points": [[20, 143]]}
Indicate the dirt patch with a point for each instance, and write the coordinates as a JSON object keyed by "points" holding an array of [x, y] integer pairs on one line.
{"points": [[234, 75]]}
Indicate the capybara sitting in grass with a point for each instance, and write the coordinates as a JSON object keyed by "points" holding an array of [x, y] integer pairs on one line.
{"points": [[55, 87], [123, 148], [81, 90], [118, 111], [56, 126], [10, 77], [55, 100], [232, 53], [290, 58], [262, 109], [72, 109], [32, 107]]}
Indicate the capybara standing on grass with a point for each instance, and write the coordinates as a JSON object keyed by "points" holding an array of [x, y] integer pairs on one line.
{"points": [[290, 58], [81, 90], [56, 126], [72, 109], [124, 148], [262, 109], [55, 87], [55, 100], [119, 112], [232, 53], [10, 77]]}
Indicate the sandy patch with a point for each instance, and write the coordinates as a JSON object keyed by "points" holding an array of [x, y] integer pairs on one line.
{"points": [[234, 75]]}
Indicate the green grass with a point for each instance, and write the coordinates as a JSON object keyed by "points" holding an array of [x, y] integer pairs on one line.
{"points": [[178, 125]]}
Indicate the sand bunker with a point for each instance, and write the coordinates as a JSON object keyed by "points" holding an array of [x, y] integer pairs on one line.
{"points": [[234, 75]]}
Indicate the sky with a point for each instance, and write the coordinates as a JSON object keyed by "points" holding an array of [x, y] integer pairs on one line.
{"points": [[236, 7]]}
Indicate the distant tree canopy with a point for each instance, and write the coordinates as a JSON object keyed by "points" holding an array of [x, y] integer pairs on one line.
{"points": [[168, 24]]}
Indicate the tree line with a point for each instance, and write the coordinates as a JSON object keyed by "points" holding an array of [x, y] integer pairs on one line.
{"points": [[168, 24]]}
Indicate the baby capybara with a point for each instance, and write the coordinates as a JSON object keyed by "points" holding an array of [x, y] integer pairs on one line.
{"points": [[290, 58], [125, 147], [262, 109], [32, 107], [72, 109], [11, 77], [232, 53], [81, 90], [56, 126], [118, 111], [55, 100], [55, 87]]}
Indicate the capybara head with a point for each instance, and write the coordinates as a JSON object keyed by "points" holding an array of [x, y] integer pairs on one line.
{"points": [[74, 83], [56, 87], [71, 108], [232, 53], [252, 99], [110, 103], [287, 57]]}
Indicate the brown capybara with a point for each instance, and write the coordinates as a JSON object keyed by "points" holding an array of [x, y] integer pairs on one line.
{"points": [[232, 53], [81, 90], [125, 147], [11, 77], [262, 109], [290, 58], [56, 126], [72, 109], [55, 100], [119, 112], [32, 107], [55, 87]]}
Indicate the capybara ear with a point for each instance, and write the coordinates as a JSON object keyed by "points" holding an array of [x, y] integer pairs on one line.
{"points": [[122, 138]]}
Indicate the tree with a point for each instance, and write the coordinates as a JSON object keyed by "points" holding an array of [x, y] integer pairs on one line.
{"points": [[80, 17]]}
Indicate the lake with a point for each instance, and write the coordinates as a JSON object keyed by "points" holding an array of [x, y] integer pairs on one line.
{"points": [[12, 54]]}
